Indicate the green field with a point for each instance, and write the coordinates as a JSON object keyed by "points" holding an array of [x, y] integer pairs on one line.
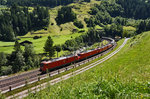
{"points": [[38, 43], [129, 28], [125, 76]]}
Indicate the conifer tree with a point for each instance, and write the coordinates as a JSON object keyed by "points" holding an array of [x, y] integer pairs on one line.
{"points": [[49, 48], [17, 46]]}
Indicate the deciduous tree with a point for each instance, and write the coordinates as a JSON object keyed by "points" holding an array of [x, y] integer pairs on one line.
{"points": [[19, 62], [57, 48]]}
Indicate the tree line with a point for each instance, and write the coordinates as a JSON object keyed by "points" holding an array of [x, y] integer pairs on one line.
{"points": [[144, 25], [17, 21], [136, 9], [48, 3], [91, 37]]}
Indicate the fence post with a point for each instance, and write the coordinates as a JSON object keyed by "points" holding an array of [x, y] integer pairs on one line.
{"points": [[26, 82], [38, 78], [9, 88]]}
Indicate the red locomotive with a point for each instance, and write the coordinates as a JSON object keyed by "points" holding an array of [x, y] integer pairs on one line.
{"points": [[63, 61]]}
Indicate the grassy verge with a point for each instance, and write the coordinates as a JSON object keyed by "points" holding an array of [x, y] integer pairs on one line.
{"points": [[59, 75], [125, 76]]}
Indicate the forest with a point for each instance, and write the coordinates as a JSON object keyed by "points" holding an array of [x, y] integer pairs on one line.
{"points": [[137, 9], [48, 3], [18, 21]]}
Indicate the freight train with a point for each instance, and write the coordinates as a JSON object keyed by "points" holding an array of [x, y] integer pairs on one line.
{"points": [[64, 61]]}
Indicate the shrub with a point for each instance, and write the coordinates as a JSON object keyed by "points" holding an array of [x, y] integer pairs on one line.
{"points": [[78, 24], [6, 70], [81, 31]]}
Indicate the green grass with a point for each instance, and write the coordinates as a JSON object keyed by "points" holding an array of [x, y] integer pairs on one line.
{"points": [[38, 43], [124, 76], [98, 27], [6, 47], [129, 28]]}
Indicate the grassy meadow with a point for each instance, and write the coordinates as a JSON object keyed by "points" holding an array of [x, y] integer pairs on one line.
{"points": [[124, 76], [129, 28], [7, 47]]}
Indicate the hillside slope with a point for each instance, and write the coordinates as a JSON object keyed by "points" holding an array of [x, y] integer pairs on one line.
{"points": [[59, 33], [125, 75]]}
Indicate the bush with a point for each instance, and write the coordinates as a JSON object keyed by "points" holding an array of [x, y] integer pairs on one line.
{"points": [[37, 37], [81, 31], [6, 70], [64, 47], [78, 24], [128, 33], [3, 59], [25, 68]]}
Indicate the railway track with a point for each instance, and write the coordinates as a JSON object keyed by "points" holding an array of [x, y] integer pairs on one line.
{"points": [[21, 80], [52, 82]]}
